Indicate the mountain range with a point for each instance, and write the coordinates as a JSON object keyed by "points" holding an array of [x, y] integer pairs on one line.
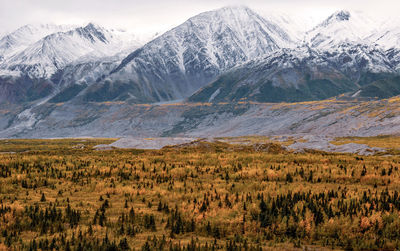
{"points": [[228, 55]]}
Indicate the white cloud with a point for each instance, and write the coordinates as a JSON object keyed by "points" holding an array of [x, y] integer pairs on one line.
{"points": [[148, 16]]}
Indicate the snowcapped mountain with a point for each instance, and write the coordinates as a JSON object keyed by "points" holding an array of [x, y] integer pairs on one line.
{"points": [[2, 34], [182, 60], [352, 59], [21, 38], [55, 51], [95, 61], [389, 36], [394, 56], [342, 27], [226, 55], [300, 74], [58, 60], [389, 29], [294, 25], [339, 55]]}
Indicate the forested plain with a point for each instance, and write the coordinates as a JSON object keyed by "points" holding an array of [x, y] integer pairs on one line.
{"points": [[65, 195]]}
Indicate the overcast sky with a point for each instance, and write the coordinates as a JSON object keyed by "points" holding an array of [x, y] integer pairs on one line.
{"points": [[148, 16]]}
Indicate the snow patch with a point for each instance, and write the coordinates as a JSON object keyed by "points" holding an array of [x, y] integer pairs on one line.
{"points": [[356, 94], [214, 94]]}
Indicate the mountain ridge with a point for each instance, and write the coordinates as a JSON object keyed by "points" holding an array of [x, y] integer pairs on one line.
{"points": [[179, 62], [59, 49], [12, 42], [301, 74], [198, 50], [218, 59]]}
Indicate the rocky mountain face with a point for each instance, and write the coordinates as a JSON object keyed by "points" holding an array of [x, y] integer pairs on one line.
{"points": [[341, 27], [338, 56], [20, 39], [182, 60], [53, 52], [301, 74], [388, 36], [38, 70]]}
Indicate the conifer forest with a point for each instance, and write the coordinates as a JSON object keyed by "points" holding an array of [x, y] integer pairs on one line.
{"points": [[64, 195]]}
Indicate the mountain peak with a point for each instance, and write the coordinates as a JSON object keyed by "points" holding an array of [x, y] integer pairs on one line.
{"points": [[338, 16], [238, 11], [195, 52], [19, 39], [342, 27], [41, 27], [93, 31], [235, 8], [342, 15], [92, 26]]}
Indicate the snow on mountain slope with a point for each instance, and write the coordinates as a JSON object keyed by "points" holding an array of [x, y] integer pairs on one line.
{"points": [[55, 51], [394, 57], [351, 58], [301, 74], [26, 35], [388, 38], [342, 27], [85, 73], [182, 60], [179, 62], [294, 25]]}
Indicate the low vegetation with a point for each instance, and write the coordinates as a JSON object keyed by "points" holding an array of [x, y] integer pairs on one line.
{"points": [[63, 195], [388, 142]]}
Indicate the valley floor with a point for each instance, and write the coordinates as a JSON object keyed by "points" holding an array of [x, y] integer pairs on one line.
{"points": [[247, 193], [326, 118]]}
